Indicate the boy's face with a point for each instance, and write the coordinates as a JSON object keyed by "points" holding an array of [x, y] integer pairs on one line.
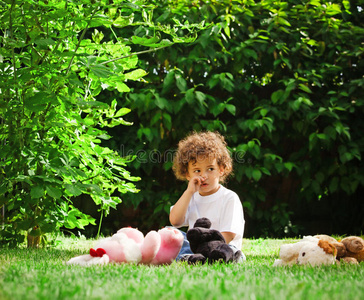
{"points": [[209, 173]]}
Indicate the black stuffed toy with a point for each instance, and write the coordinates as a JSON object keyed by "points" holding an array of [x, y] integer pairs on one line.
{"points": [[208, 245]]}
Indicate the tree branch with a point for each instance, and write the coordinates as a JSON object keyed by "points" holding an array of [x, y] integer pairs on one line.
{"points": [[79, 41], [132, 54], [12, 37]]}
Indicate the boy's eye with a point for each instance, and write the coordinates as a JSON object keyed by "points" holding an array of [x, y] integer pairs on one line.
{"points": [[196, 171], [211, 169]]}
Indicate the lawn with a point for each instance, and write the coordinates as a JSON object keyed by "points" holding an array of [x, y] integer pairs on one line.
{"points": [[42, 274]]}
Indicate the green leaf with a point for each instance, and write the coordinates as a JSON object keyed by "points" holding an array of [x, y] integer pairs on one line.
{"points": [[316, 187], [250, 53], [289, 166], [200, 96], [73, 189], [251, 144], [92, 188], [190, 96], [121, 112], [123, 21], [37, 191], [265, 171], [53, 192], [295, 105], [283, 21], [256, 174], [304, 88], [122, 87], [322, 136], [334, 183], [320, 177], [92, 104], [330, 132], [263, 112], [44, 42], [167, 121], [3, 189], [135, 74], [312, 140], [248, 172], [345, 157], [333, 9], [108, 202], [279, 167], [39, 101], [305, 101], [101, 71], [277, 96], [181, 83], [161, 102], [231, 109], [145, 41]]}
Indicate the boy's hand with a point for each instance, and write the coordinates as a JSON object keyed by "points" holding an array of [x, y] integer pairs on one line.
{"points": [[178, 211], [195, 183]]}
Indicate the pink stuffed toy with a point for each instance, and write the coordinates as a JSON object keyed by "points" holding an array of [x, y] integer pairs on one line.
{"points": [[129, 245]]}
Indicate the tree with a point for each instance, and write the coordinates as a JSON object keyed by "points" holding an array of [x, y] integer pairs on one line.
{"points": [[283, 82], [54, 64]]}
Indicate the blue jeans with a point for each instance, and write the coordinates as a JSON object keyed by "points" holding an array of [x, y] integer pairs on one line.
{"points": [[185, 247], [187, 250]]}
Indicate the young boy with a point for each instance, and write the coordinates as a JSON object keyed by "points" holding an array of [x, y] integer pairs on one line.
{"points": [[203, 160]]}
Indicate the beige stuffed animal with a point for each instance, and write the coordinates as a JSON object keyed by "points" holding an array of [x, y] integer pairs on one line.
{"points": [[349, 250], [340, 247], [308, 251], [354, 248]]}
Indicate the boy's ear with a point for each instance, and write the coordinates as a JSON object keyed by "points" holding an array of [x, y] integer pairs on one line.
{"points": [[222, 170]]}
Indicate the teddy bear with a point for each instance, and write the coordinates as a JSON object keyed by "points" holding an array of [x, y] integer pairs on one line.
{"points": [[349, 250], [354, 248], [208, 245], [309, 251], [129, 245]]}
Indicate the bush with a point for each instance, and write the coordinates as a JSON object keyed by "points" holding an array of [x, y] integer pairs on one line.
{"points": [[54, 63], [283, 82]]}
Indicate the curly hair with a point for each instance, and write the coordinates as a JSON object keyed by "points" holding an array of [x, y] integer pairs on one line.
{"points": [[199, 145]]}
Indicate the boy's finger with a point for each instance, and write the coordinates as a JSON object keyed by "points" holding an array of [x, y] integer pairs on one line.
{"points": [[197, 180]]}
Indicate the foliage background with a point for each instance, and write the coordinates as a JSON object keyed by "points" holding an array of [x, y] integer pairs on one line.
{"points": [[54, 63], [283, 81]]}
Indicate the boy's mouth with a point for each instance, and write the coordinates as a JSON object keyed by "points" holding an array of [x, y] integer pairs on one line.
{"points": [[204, 184]]}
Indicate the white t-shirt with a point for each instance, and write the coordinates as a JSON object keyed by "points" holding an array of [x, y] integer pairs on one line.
{"points": [[224, 210]]}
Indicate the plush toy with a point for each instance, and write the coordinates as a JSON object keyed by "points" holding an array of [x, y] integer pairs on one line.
{"points": [[208, 245], [354, 248], [129, 245], [309, 250], [340, 247], [349, 250]]}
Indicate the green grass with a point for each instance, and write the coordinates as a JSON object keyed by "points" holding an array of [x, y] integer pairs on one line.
{"points": [[42, 274]]}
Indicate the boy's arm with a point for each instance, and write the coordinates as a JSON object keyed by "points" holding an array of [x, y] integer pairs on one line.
{"points": [[178, 211], [228, 236]]}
